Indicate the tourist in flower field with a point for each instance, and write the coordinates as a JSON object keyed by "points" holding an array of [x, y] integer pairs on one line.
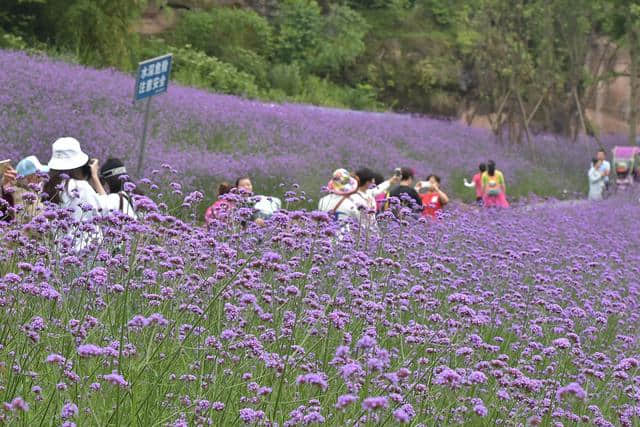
{"points": [[23, 185], [264, 206], [339, 203], [596, 180], [74, 182], [380, 198], [222, 208], [494, 188], [433, 198], [368, 192], [405, 190], [476, 182], [113, 175], [604, 168], [244, 185]]}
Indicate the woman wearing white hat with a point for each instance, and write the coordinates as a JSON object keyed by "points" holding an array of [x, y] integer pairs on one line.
{"points": [[75, 183]]}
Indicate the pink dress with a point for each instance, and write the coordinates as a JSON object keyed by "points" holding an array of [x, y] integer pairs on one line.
{"points": [[220, 210], [500, 200], [477, 180]]}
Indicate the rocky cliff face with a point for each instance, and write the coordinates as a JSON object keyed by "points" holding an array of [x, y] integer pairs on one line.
{"points": [[609, 108]]}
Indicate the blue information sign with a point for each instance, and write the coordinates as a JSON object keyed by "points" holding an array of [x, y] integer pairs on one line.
{"points": [[153, 76]]}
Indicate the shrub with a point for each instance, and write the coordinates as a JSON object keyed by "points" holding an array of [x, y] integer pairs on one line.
{"points": [[287, 78], [342, 40], [221, 31], [193, 67]]}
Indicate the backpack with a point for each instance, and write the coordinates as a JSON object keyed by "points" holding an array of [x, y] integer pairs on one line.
{"points": [[493, 185]]}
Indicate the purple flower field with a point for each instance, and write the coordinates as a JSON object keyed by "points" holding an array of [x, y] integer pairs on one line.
{"points": [[483, 318], [500, 318], [214, 137]]}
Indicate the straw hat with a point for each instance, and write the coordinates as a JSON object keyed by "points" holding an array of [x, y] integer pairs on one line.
{"points": [[342, 182]]}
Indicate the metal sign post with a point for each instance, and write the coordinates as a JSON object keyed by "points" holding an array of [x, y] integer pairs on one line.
{"points": [[153, 79]]}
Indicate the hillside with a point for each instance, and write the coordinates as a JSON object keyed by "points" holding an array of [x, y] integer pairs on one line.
{"points": [[554, 66], [210, 137]]}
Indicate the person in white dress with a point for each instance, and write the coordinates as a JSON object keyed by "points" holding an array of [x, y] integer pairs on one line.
{"points": [[74, 183]]}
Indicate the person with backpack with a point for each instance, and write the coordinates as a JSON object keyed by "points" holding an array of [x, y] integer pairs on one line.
{"points": [[476, 182], [493, 187], [113, 175], [339, 203]]}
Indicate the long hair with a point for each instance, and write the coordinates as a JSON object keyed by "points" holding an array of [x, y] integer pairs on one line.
{"points": [[56, 178], [491, 168], [224, 188]]}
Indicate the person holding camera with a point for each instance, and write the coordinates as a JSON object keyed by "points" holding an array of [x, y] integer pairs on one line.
{"points": [[405, 191], [74, 182], [433, 198]]}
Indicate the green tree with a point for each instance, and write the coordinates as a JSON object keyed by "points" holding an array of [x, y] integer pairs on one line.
{"points": [[342, 41], [299, 30], [222, 30], [99, 31]]}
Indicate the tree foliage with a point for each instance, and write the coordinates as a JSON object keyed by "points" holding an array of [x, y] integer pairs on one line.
{"points": [[526, 64]]}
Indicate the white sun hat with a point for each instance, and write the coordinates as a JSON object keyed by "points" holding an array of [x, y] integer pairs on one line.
{"points": [[66, 154]]}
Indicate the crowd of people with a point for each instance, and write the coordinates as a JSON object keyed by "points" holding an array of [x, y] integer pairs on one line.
{"points": [[73, 180]]}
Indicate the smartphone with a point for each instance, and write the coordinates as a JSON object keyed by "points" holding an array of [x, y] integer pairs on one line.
{"points": [[398, 172]]}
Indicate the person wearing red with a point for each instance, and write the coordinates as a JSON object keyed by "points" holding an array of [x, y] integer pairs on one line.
{"points": [[222, 208], [476, 182], [433, 198]]}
